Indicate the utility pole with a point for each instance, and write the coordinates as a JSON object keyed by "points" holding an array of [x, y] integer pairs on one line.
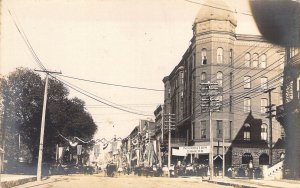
{"points": [[171, 124], [223, 153], [40, 158], [209, 101], [270, 116]]}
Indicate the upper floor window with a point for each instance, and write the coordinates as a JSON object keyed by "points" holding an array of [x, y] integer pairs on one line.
{"points": [[220, 79], [294, 51], [220, 55], [203, 129], [247, 59], [219, 128], [181, 96], [264, 83], [230, 103], [191, 60], [194, 61], [169, 92], [255, 60], [220, 101], [263, 104], [264, 131], [203, 76], [263, 61], [231, 56], [247, 104], [247, 135], [182, 77], [247, 82], [203, 56], [230, 80]]}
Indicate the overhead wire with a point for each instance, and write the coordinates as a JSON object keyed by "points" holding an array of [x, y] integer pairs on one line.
{"points": [[211, 6], [111, 84], [40, 64]]}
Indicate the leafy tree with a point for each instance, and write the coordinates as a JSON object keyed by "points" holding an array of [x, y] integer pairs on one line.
{"points": [[23, 92]]}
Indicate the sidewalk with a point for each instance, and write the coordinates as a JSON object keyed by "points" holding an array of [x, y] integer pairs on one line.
{"points": [[255, 183], [10, 180]]}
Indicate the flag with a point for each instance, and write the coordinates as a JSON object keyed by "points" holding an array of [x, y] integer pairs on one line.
{"points": [[79, 149], [60, 152]]}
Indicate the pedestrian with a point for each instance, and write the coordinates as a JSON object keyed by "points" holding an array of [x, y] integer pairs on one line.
{"points": [[229, 171], [250, 166]]}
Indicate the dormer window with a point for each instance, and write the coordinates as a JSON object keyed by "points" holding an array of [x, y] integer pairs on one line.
{"points": [[264, 131], [247, 134]]}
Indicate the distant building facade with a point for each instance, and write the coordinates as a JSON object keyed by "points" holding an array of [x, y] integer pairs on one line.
{"points": [[243, 66]]}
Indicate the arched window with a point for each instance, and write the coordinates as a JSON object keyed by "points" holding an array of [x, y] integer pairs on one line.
{"points": [[263, 61], [203, 76], [203, 56], [255, 60], [264, 159], [220, 55], [220, 79], [247, 134], [264, 133], [247, 59]]}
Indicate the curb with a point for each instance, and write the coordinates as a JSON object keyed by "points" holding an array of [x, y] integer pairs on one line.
{"points": [[12, 183], [230, 184]]}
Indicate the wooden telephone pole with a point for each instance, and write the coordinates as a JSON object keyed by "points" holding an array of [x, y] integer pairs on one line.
{"points": [[40, 158], [270, 116], [209, 102]]}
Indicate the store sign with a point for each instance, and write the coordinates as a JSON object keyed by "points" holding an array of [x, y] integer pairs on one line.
{"points": [[178, 152], [195, 149]]}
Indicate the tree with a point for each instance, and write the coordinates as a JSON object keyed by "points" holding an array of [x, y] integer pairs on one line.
{"points": [[22, 93]]}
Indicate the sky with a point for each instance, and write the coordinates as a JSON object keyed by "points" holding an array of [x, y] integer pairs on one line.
{"points": [[125, 42]]}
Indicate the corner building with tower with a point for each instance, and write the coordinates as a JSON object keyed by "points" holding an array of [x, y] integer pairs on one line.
{"points": [[244, 66]]}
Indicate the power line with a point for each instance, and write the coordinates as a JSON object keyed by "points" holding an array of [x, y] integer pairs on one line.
{"points": [[248, 14], [94, 98], [40, 64], [111, 84]]}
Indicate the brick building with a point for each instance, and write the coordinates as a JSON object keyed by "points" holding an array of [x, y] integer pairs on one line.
{"points": [[243, 66]]}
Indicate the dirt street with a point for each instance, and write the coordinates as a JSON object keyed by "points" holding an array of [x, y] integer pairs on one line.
{"points": [[94, 181]]}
